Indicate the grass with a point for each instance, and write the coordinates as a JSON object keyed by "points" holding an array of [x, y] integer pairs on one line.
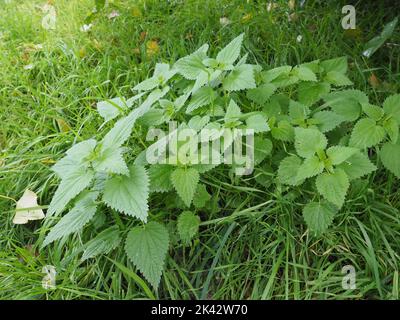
{"points": [[254, 243]]}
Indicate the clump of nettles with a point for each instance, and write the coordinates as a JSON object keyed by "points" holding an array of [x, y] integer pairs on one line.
{"points": [[311, 132]]}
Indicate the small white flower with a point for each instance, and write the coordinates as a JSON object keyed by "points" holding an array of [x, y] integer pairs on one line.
{"points": [[86, 27], [224, 21], [299, 38], [28, 67], [113, 14]]}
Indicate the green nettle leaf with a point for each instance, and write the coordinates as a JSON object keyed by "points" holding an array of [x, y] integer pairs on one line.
{"points": [[191, 66], [333, 186], [309, 141], [288, 169], [272, 74], [311, 92], [76, 158], [203, 96], [357, 166], [201, 196], [103, 243], [69, 188], [262, 148], [339, 154], [366, 133], [258, 123], [319, 216], [337, 79], [147, 248], [304, 73], [310, 168], [327, 120], [391, 127], [112, 108], [128, 194], [188, 226], [230, 53], [160, 177], [298, 110], [336, 65], [110, 161], [83, 211], [346, 103], [240, 78], [283, 131], [185, 182], [374, 112], [390, 156], [262, 93], [232, 112], [392, 106]]}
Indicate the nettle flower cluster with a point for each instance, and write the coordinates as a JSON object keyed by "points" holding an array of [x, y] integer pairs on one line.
{"points": [[307, 129]]}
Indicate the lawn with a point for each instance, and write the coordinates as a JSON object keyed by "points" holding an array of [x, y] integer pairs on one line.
{"points": [[252, 242]]}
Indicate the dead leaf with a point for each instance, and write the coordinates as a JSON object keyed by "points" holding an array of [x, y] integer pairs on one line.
{"points": [[63, 125], [26, 209], [247, 17], [142, 36], [152, 48], [374, 81]]}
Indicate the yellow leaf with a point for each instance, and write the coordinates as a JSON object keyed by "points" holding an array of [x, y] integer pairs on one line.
{"points": [[152, 47], [247, 17], [26, 209], [63, 125]]}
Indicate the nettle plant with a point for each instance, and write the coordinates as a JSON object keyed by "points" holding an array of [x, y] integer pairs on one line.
{"points": [[310, 134]]}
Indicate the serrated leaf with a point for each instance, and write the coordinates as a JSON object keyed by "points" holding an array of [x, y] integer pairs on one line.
{"points": [[304, 73], [272, 74], [262, 148], [336, 65], [391, 105], [188, 226], [283, 131], [111, 108], [191, 66], [374, 112], [288, 170], [110, 161], [346, 103], [319, 216], [103, 243], [232, 112], [258, 123], [240, 78], [337, 79], [147, 248], [160, 177], [203, 96], [366, 133], [357, 166], [391, 127], [327, 120], [75, 159], [309, 168], [83, 211], [262, 93], [201, 196], [310, 92], [69, 188], [339, 154], [128, 194], [390, 156], [298, 110], [185, 182], [333, 186], [230, 53], [309, 141]]}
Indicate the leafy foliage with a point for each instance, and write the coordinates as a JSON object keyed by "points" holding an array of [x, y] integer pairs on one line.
{"points": [[310, 135]]}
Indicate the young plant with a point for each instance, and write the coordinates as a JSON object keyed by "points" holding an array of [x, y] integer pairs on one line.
{"points": [[311, 133]]}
